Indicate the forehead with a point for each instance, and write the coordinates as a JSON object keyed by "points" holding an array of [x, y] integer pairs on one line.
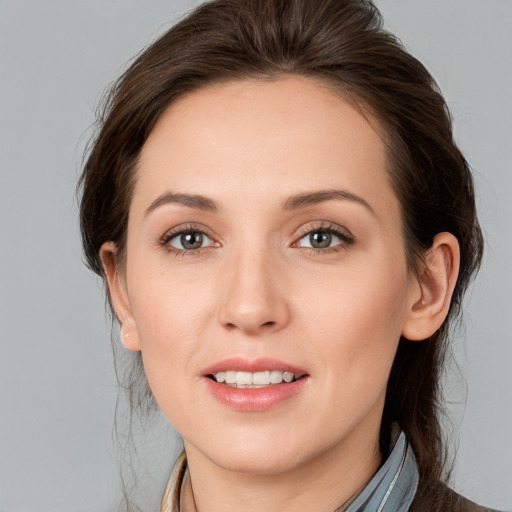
{"points": [[261, 136]]}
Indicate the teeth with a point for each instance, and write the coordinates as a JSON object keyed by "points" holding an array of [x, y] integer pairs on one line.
{"points": [[243, 378], [276, 377], [287, 376], [230, 377], [253, 380], [261, 378]]}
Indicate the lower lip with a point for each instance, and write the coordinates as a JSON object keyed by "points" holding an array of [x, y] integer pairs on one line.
{"points": [[256, 399]]}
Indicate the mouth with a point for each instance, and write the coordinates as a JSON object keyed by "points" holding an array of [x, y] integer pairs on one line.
{"points": [[254, 380], [256, 385]]}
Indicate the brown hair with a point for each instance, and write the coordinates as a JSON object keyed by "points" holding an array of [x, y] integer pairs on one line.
{"points": [[342, 43]]}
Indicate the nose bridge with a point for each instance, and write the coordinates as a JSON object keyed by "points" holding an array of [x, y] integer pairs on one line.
{"points": [[253, 300]]}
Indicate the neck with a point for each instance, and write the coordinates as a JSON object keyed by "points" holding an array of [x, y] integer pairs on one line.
{"points": [[339, 473]]}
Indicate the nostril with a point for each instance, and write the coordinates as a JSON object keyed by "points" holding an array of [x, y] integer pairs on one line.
{"points": [[230, 326]]}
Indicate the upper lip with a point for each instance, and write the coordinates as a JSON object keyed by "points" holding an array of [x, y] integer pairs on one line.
{"points": [[240, 364]]}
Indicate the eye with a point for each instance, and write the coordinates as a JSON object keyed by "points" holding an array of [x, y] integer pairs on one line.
{"points": [[189, 240], [319, 240], [325, 238]]}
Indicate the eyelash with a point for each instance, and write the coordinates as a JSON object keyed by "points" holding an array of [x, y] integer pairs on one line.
{"points": [[347, 239]]}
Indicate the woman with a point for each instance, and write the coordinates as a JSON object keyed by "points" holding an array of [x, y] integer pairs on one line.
{"points": [[286, 230]]}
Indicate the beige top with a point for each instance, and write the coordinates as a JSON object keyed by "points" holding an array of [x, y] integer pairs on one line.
{"points": [[171, 497]]}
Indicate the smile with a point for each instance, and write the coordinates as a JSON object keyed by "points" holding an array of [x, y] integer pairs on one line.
{"points": [[253, 380]]}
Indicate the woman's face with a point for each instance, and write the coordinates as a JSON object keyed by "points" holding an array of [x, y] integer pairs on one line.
{"points": [[264, 238]]}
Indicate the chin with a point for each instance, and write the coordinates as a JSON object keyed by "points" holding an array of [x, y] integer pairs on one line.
{"points": [[259, 461], [265, 453]]}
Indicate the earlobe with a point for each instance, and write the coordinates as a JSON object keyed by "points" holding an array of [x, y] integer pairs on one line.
{"points": [[117, 291], [430, 295], [129, 341]]}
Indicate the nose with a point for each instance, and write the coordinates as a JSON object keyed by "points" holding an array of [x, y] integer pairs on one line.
{"points": [[254, 296]]}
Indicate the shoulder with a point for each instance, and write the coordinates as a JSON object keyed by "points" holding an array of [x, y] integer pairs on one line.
{"points": [[438, 497]]}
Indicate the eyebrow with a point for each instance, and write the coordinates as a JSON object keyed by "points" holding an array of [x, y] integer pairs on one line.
{"points": [[306, 199], [191, 200], [294, 202]]}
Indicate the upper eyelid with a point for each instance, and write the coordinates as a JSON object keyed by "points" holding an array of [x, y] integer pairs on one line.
{"points": [[324, 225], [187, 227]]}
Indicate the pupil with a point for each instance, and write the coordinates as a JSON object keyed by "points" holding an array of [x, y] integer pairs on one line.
{"points": [[320, 239], [192, 240]]}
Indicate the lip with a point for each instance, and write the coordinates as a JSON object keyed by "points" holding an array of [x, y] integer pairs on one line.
{"points": [[253, 399], [239, 364]]}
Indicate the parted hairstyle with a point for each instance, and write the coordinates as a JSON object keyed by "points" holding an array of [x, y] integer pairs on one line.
{"points": [[343, 44]]}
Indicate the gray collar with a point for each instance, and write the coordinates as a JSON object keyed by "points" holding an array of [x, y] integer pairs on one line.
{"points": [[393, 487]]}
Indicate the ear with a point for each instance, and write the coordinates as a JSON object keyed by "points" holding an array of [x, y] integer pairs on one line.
{"points": [[118, 293], [431, 292]]}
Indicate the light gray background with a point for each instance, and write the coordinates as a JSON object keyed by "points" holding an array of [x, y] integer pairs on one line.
{"points": [[57, 389]]}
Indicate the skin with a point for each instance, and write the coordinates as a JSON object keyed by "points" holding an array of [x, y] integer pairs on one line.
{"points": [[256, 289]]}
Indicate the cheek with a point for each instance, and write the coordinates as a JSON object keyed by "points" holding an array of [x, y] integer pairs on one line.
{"points": [[168, 304], [357, 323], [171, 316]]}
